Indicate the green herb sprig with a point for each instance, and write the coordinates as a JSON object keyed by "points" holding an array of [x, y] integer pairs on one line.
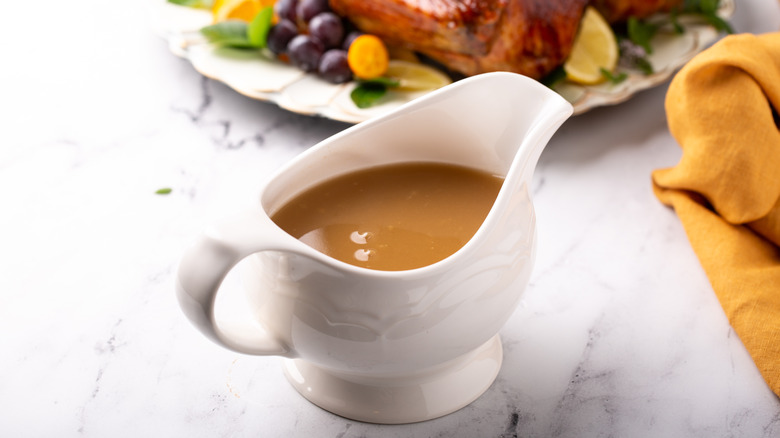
{"points": [[639, 33]]}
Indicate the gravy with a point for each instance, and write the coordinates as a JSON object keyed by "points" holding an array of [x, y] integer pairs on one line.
{"points": [[394, 217]]}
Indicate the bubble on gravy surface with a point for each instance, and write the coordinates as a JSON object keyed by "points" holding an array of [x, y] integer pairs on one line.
{"points": [[394, 217]]}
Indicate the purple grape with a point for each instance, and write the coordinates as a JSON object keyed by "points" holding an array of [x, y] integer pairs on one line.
{"points": [[350, 37], [334, 67], [280, 36], [285, 9], [327, 27], [307, 9], [305, 52]]}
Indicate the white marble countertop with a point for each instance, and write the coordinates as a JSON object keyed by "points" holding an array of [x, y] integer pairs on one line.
{"points": [[619, 333]]}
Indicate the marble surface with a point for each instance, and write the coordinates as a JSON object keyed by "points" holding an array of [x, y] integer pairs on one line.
{"points": [[619, 333]]}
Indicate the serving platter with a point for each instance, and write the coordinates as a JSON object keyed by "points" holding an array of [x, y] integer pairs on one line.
{"points": [[258, 75]]}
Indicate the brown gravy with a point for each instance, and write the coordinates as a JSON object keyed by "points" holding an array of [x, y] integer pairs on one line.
{"points": [[394, 217]]}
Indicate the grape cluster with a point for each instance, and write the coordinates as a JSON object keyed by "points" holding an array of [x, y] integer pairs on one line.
{"points": [[313, 38]]}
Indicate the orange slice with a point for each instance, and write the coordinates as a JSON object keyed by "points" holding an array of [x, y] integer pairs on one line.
{"points": [[244, 10]]}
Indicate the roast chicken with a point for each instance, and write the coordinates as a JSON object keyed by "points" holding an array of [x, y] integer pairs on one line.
{"points": [[530, 37]]}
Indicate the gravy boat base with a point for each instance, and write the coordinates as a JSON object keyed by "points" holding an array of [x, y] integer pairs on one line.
{"points": [[426, 395]]}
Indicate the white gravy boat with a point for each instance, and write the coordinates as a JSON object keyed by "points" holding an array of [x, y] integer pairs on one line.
{"points": [[389, 346]]}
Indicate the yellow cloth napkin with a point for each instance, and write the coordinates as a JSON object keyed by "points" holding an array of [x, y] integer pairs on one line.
{"points": [[722, 108]]}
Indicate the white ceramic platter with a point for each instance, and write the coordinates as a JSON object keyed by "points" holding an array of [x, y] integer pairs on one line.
{"points": [[257, 74]]}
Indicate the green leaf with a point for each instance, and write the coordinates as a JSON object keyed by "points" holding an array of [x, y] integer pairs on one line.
{"points": [[259, 27], [613, 78], [641, 33], [193, 3], [367, 94], [718, 23], [700, 6], [708, 9], [231, 33], [163, 191], [556, 76], [644, 65], [708, 6], [673, 18], [369, 91]]}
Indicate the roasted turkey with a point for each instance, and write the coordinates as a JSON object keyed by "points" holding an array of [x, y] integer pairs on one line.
{"points": [[530, 37], [620, 10]]}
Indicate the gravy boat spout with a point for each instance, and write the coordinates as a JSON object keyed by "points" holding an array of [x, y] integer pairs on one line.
{"points": [[496, 122], [389, 346]]}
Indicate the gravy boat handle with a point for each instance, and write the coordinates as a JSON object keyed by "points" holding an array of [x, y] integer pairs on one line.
{"points": [[206, 264]]}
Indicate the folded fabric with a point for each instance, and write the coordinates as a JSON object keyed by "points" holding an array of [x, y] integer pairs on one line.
{"points": [[722, 108]]}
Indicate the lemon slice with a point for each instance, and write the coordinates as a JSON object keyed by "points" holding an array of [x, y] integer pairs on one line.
{"points": [[413, 76], [595, 47], [244, 10]]}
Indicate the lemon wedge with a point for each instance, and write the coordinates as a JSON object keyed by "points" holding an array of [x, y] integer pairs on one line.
{"points": [[413, 76], [244, 10], [595, 47]]}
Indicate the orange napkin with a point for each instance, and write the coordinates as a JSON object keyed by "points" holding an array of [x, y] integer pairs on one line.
{"points": [[722, 108]]}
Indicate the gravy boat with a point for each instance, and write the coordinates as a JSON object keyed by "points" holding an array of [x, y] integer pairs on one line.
{"points": [[388, 346]]}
